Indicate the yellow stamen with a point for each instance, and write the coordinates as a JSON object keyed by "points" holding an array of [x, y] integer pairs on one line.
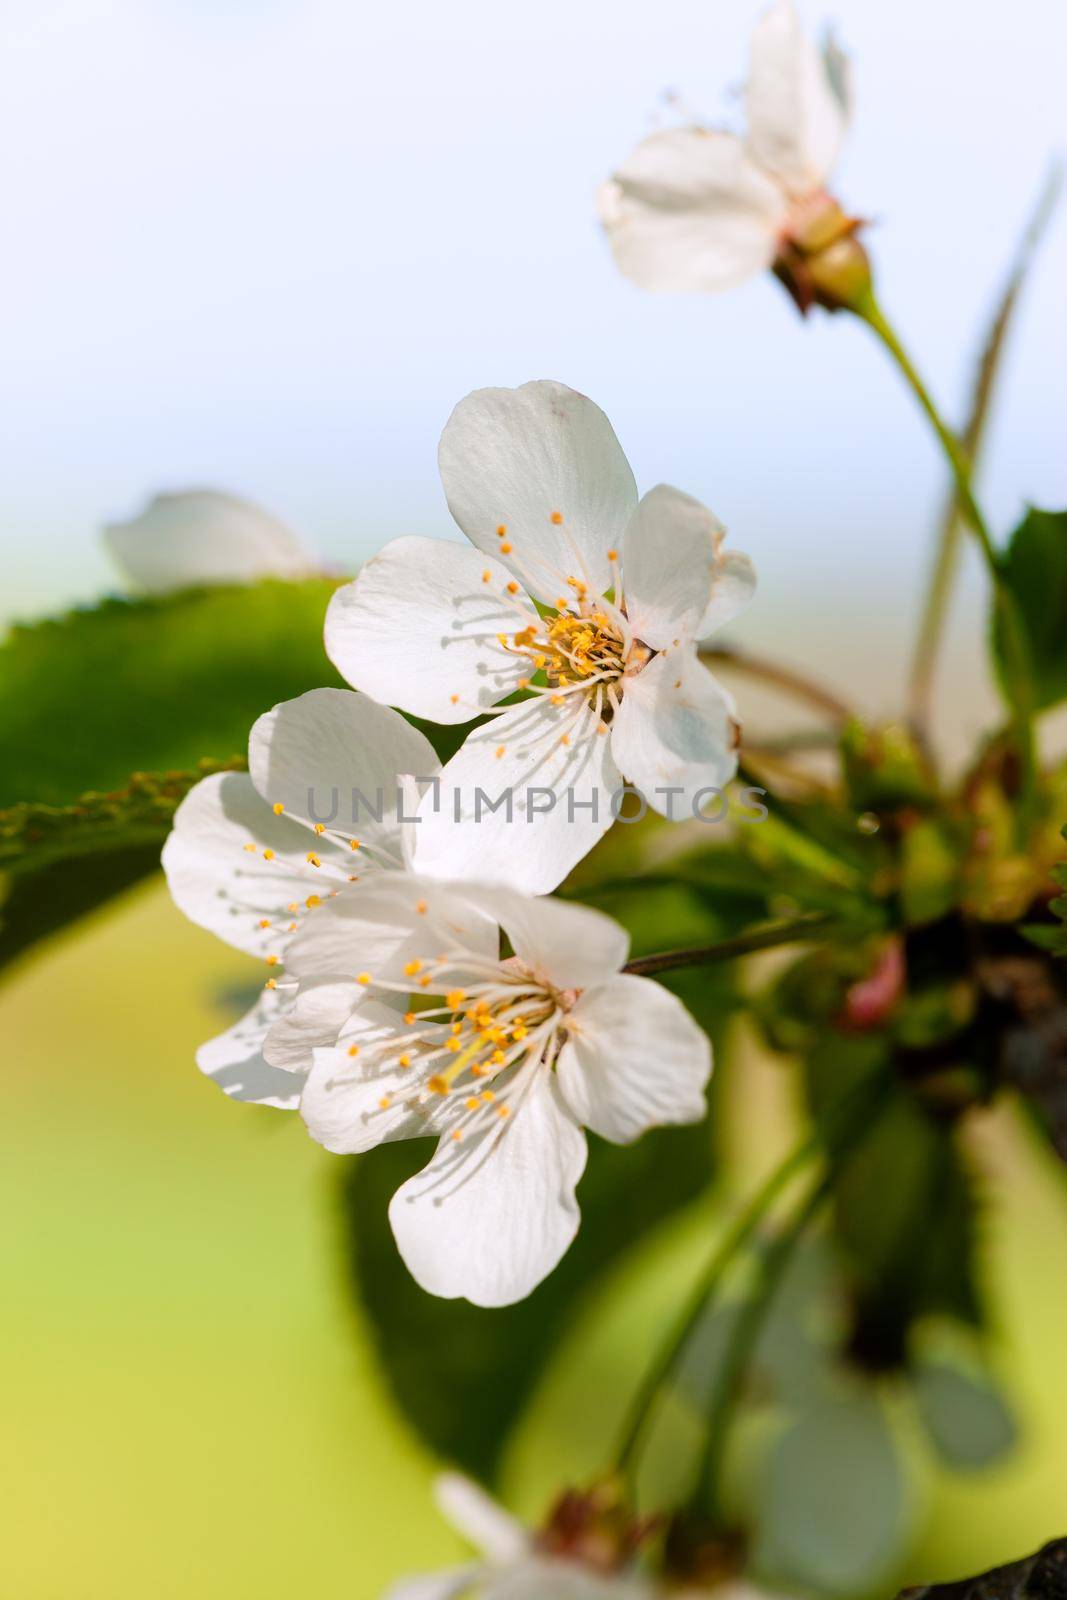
{"points": [[455, 998], [411, 967], [363, 977], [556, 517], [268, 855], [353, 1049], [312, 901], [277, 808], [312, 859]]}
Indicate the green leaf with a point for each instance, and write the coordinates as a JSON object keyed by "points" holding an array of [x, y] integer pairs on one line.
{"points": [[1035, 570], [58, 863], [462, 1374], [834, 1509], [153, 684], [904, 1212], [965, 1414]]}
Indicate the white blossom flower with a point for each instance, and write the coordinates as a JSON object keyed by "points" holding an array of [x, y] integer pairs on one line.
{"points": [[504, 1058], [702, 209], [575, 591], [513, 1566], [202, 536], [246, 860]]}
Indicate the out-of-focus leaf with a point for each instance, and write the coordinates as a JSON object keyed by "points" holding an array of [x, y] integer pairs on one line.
{"points": [[931, 870], [88, 698], [59, 862], [904, 1211], [965, 1414], [1035, 570], [462, 1374], [885, 769], [834, 1507], [1040, 1577]]}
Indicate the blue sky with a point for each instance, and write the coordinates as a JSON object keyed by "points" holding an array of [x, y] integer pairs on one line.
{"points": [[267, 247]]}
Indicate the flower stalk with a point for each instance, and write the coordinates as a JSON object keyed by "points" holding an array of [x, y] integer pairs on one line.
{"points": [[1018, 687], [813, 924]]}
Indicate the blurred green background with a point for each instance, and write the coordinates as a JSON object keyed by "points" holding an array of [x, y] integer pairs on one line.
{"points": [[190, 1404]]}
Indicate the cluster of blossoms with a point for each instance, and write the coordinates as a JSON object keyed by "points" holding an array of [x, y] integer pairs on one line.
{"points": [[422, 982]]}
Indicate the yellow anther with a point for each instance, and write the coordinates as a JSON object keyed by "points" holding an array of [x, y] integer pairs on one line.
{"points": [[353, 1049], [454, 699], [312, 859], [268, 855], [523, 683], [613, 555], [562, 602], [505, 549], [486, 575], [251, 849], [411, 967], [272, 961], [500, 749], [292, 906], [271, 983], [353, 877], [277, 808], [312, 901], [502, 638], [385, 1102], [420, 907], [498, 1058], [488, 1096], [457, 1134], [437, 1084], [291, 928], [453, 1044], [473, 1103], [353, 844], [557, 699], [363, 977], [519, 1031], [404, 1060], [513, 588], [556, 517], [565, 738], [503, 1111], [320, 827], [424, 983], [502, 529], [265, 922], [455, 998], [457, 1027]]}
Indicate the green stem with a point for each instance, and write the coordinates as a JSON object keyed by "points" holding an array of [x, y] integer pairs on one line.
{"points": [[741, 944], [1018, 686], [856, 1111], [743, 1338], [824, 1137], [736, 1238]]}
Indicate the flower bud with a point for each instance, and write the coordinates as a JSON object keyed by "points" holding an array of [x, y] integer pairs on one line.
{"points": [[820, 260]]}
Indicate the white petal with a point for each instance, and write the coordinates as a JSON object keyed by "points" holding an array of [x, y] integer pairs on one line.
{"points": [[490, 1216], [796, 114], [314, 1018], [224, 886], [634, 1059], [479, 1519], [543, 463], [334, 756], [419, 628], [545, 1579], [436, 1585], [675, 729], [378, 926], [353, 1103], [668, 563], [235, 1060], [689, 211], [569, 946], [202, 536], [733, 585], [552, 786]]}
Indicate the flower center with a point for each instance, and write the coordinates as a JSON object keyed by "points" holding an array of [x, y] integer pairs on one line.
{"points": [[476, 1030]]}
